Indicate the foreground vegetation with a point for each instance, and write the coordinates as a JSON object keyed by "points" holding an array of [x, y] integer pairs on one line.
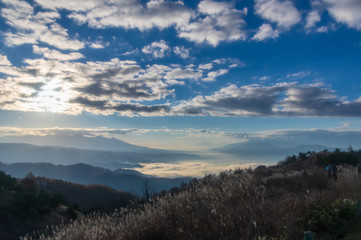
{"points": [[277, 202], [24, 207], [32, 203]]}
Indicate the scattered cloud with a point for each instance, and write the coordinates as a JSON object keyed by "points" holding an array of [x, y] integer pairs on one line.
{"points": [[55, 84], [211, 76], [52, 54], [181, 52], [126, 88], [157, 49], [283, 13], [128, 14], [4, 61], [215, 22], [265, 31], [72, 5], [98, 44], [132, 52], [206, 66], [312, 18], [189, 73], [299, 75], [31, 27], [322, 29], [234, 65], [282, 99], [346, 11], [265, 78]]}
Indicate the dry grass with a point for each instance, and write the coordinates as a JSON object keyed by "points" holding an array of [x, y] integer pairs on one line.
{"points": [[231, 205]]}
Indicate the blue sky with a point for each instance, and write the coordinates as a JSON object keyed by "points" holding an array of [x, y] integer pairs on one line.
{"points": [[189, 75]]}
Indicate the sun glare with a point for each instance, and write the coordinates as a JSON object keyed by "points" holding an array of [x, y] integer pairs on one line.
{"points": [[52, 97]]}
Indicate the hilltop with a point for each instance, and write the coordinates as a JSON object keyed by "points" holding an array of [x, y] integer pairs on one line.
{"points": [[275, 202], [31, 203]]}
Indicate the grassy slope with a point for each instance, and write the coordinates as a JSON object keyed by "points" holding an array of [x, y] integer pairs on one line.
{"points": [[277, 202]]}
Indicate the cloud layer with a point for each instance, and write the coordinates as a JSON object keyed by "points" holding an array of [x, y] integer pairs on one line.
{"points": [[61, 77], [126, 88]]}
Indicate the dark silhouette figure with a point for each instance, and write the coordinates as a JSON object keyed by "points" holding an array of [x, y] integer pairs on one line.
{"points": [[334, 172], [329, 171]]}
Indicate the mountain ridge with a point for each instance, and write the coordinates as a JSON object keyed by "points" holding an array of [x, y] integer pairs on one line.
{"points": [[128, 181]]}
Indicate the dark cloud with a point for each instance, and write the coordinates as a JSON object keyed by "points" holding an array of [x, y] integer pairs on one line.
{"points": [[290, 100], [30, 71], [134, 89], [23, 95], [141, 108], [113, 72], [122, 107], [106, 74], [6, 103], [316, 101], [96, 89], [230, 100], [256, 105], [34, 85], [130, 70], [98, 104]]}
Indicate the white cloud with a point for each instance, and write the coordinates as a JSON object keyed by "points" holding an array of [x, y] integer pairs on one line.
{"points": [[312, 18], [54, 84], [133, 52], [73, 87], [212, 22], [83, 5], [322, 29], [346, 11], [284, 13], [265, 31], [265, 78], [157, 49], [129, 14], [181, 51], [56, 55], [299, 75], [4, 61], [98, 44], [33, 28], [184, 73], [207, 66], [211, 76], [221, 22], [16, 39]]}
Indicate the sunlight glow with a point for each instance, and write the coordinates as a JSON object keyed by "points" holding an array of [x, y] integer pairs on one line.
{"points": [[53, 97]]}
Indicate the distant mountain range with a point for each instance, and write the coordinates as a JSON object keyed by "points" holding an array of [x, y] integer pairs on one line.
{"points": [[77, 141], [121, 179], [267, 151], [20, 152]]}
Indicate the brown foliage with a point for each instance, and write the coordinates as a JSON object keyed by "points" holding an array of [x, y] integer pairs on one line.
{"points": [[231, 205]]}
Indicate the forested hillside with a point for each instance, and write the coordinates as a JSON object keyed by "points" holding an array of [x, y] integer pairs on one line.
{"points": [[32, 203]]}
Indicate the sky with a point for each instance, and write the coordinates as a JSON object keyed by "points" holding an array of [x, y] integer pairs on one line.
{"points": [[184, 75]]}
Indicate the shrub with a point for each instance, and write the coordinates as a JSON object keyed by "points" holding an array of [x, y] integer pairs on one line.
{"points": [[330, 220]]}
